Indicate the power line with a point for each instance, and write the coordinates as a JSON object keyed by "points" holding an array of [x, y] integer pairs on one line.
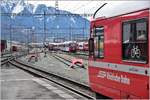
{"points": [[56, 14], [83, 5], [56, 5]]}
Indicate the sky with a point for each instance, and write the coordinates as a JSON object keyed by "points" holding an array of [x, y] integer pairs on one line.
{"points": [[89, 6], [74, 6]]}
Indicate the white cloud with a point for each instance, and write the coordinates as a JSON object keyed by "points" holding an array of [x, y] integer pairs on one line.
{"points": [[118, 8], [78, 7], [72, 6], [81, 7]]}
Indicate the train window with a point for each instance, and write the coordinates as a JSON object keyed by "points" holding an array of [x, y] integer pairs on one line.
{"points": [[141, 31], [135, 40], [99, 42]]}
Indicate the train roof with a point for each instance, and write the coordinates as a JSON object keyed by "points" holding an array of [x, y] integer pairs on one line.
{"points": [[67, 42], [55, 43], [62, 43], [80, 43], [116, 8], [36, 43]]}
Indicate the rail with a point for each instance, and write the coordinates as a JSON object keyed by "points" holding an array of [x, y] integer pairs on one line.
{"points": [[68, 62], [79, 88], [78, 54], [4, 61]]}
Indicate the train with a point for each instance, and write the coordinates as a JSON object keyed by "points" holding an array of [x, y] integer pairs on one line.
{"points": [[119, 45], [12, 46], [3, 45], [54, 46], [67, 46], [82, 46]]}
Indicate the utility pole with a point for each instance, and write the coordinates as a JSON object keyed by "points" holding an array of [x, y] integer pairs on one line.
{"points": [[44, 35], [28, 41], [56, 5], [44, 28], [10, 40], [70, 32], [56, 13]]}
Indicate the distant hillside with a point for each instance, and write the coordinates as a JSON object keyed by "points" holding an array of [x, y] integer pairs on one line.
{"points": [[32, 17]]}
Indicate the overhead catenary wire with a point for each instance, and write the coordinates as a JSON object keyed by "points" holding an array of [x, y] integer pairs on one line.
{"points": [[98, 10], [93, 8], [47, 14], [83, 5], [42, 15]]}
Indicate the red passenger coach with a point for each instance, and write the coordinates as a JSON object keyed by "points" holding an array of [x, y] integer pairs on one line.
{"points": [[3, 45], [119, 63]]}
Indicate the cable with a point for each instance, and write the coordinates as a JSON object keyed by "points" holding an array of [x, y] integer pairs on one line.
{"points": [[82, 6], [98, 9]]}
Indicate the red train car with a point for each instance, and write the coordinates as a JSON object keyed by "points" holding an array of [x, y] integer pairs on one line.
{"points": [[69, 46], [14, 48], [3, 45], [82, 46], [119, 64], [85, 46]]}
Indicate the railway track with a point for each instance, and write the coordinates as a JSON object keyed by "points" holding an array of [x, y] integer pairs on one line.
{"points": [[79, 88], [78, 55], [68, 62], [5, 60], [6, 56], [84, 54]]}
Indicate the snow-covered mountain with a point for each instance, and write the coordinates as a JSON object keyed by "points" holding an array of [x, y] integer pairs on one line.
{"points": [[28, 16]]}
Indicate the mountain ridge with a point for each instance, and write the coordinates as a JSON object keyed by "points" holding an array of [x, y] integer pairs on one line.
{"points": [[58, 23]]}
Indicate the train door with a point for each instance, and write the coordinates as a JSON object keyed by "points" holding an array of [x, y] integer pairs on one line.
{"points": [[135, 51]]}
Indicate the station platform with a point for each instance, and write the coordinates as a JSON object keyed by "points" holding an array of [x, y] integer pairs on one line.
{"points": [[17, 84]]}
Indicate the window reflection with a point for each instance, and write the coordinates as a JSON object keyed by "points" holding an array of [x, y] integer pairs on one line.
{"points": [[99, 42], [135, 44]]}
